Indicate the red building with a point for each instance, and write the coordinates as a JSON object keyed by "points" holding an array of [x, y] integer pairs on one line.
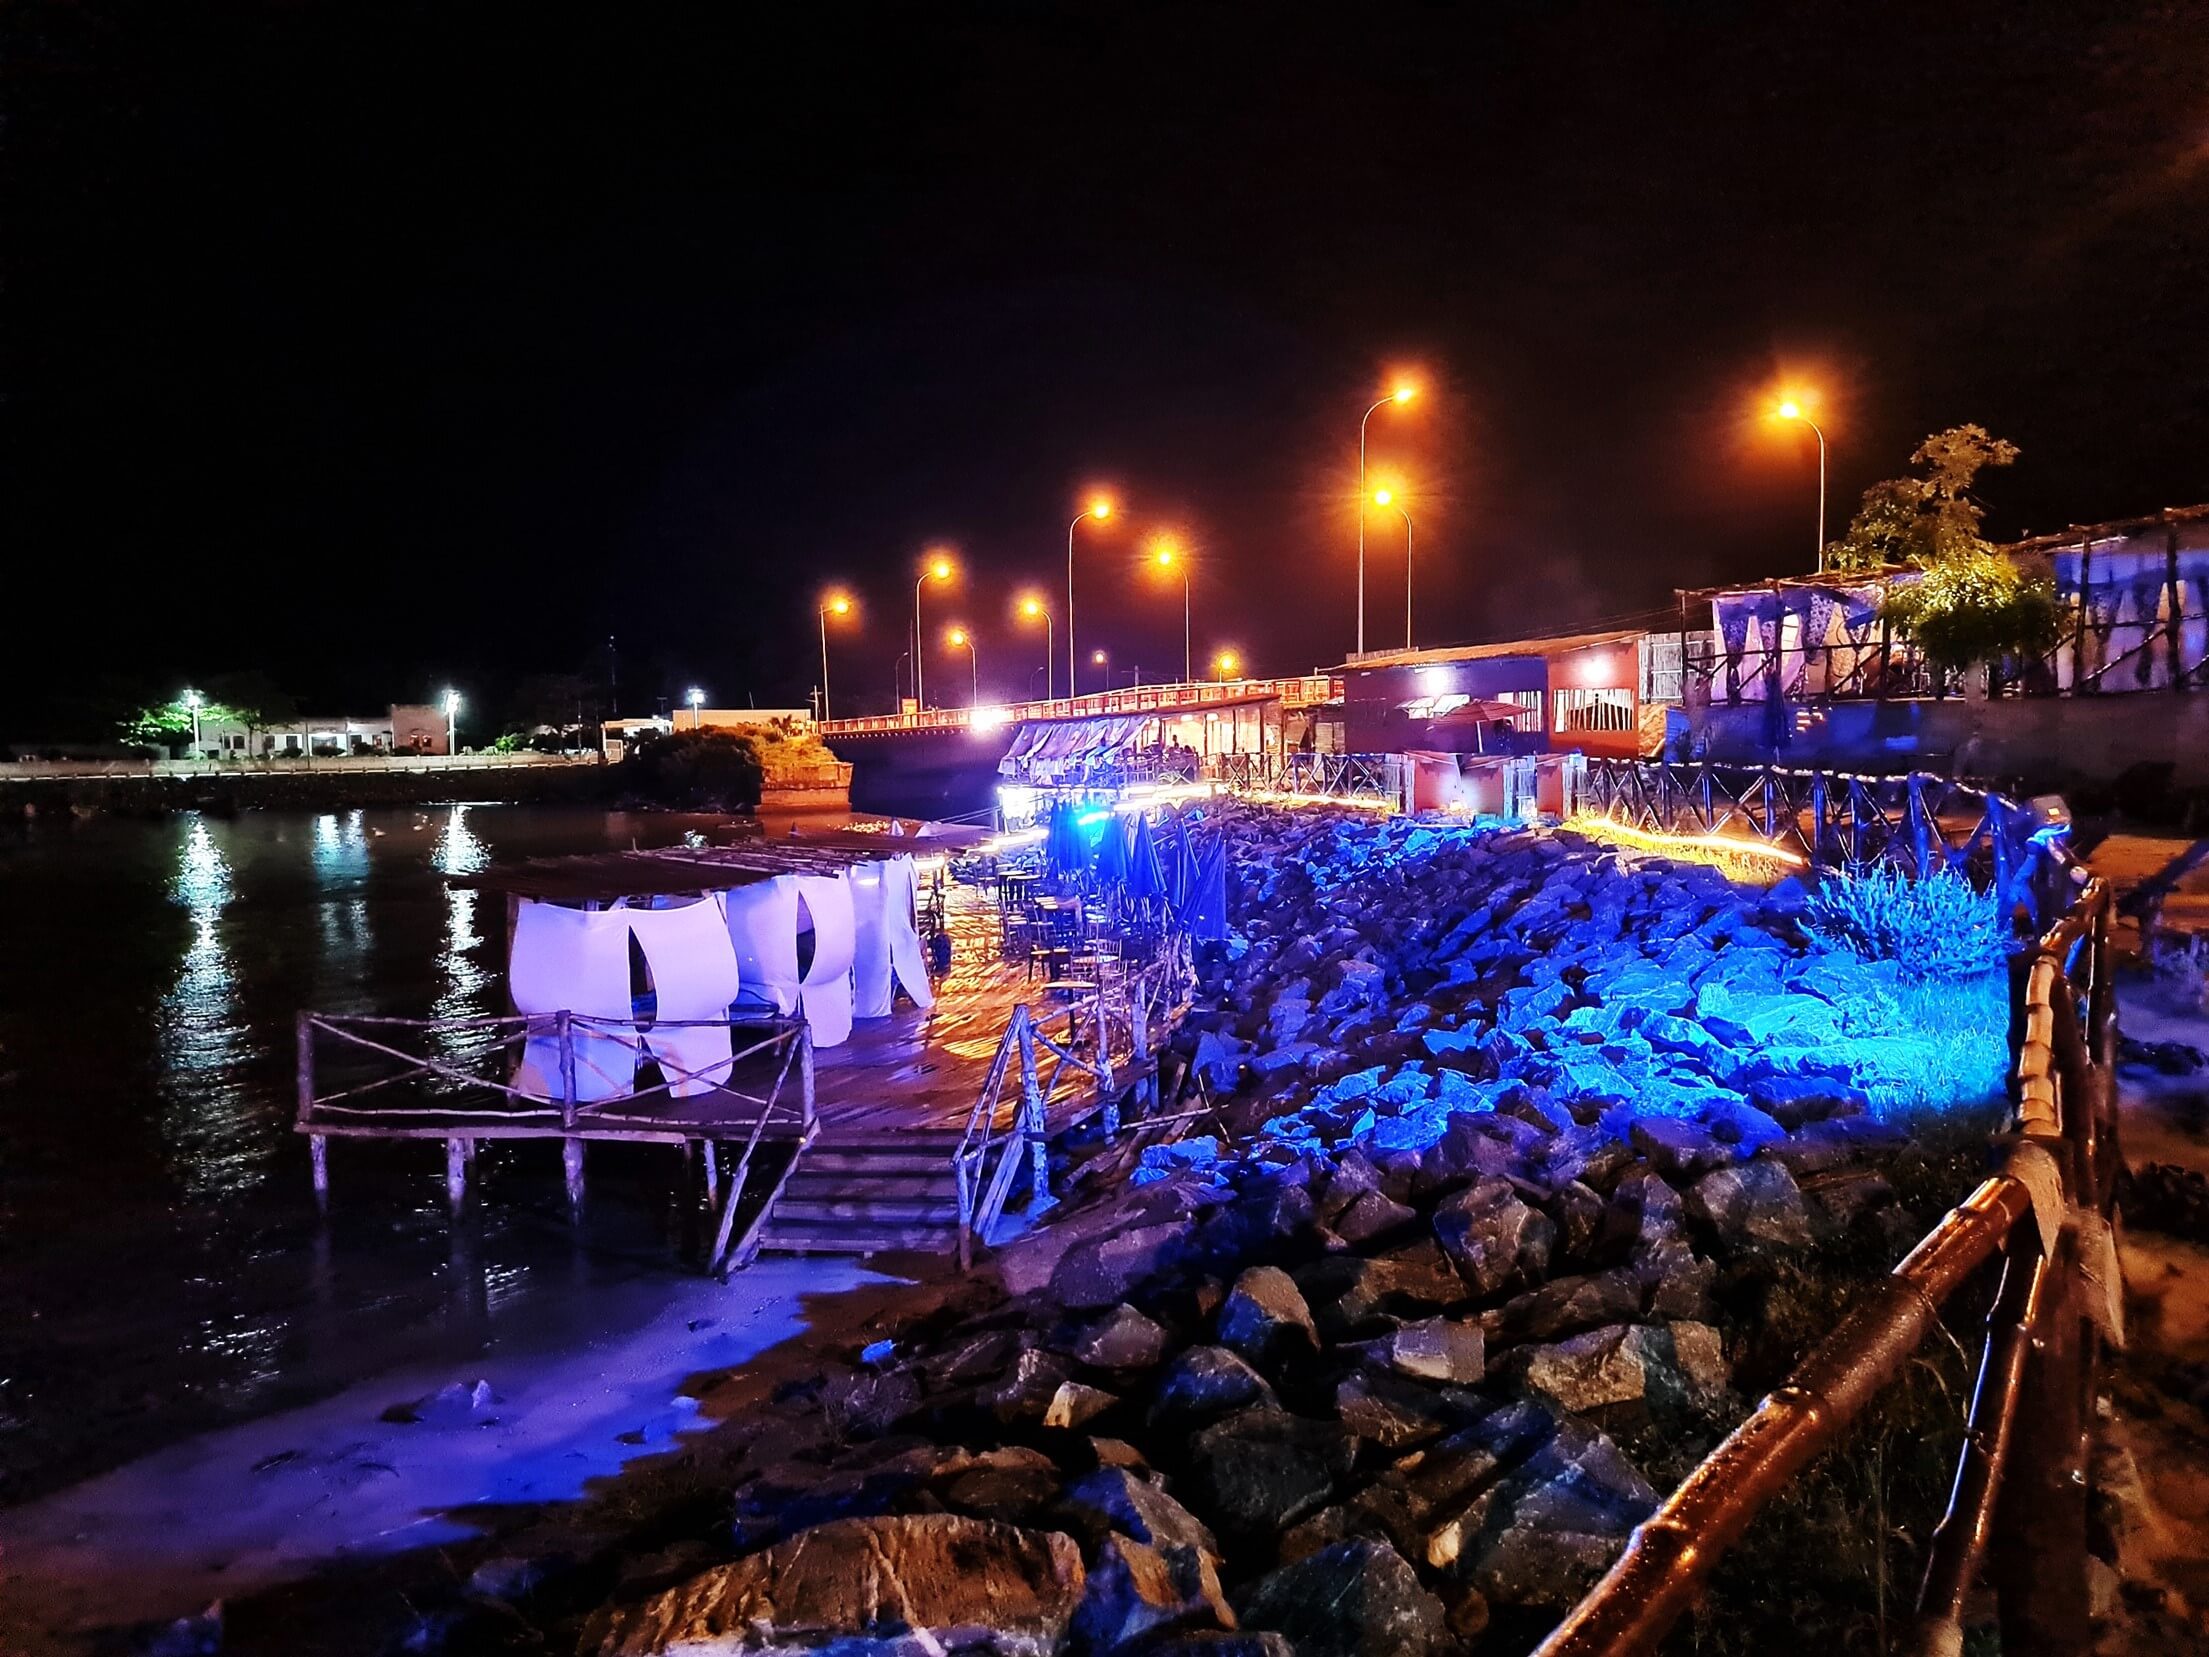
{"points": [[1602, 693]]}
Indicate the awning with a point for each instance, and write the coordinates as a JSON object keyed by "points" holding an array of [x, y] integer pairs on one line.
{"points": [[1054, 745]]}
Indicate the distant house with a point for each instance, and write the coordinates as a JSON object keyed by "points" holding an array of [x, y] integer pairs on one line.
{"points": [[406, 728], [1602, 693], [617, 735]]}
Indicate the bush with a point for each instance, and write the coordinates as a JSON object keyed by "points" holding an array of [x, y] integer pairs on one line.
{"points": [[1934, 928], [704, 770]]}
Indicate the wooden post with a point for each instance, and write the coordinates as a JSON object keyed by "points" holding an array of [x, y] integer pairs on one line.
{"points": [[805, 1071], [1032, 1122], [2078, 633], [303, 1081], [318, 1154], [456, 1173], [571, 1162], [2175, 636], [710, 1150], [2038, 1556], [567, 1069]]}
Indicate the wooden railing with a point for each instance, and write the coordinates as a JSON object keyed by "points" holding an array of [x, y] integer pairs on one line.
{"points": [[2018, 1509], [1120, 1017]]}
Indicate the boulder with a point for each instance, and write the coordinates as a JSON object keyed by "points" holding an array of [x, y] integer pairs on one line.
{"points": [[1494, 1236], [866, 1583], [1135, 1592], [1355, 1599], [1626, 1375], [1100, 1271], [1122, 1339], [1395, 1413], [1350, 1294], [1567, 1303], [1437, 1349], [1258, 1472], [1073, 1404], [1755, 1200], [1025, 1391], [1678, 1148], [1119, 1499], [1372, 1215], [1265, 1319], [1203, 1383]]}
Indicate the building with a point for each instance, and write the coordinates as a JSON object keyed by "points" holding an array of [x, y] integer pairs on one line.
{"points": [[616, 735], [1600, 693], [405, 728]]}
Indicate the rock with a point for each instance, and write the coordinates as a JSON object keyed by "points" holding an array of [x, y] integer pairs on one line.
{"points": [[1265, 1319], [517, 1579], [861, 1582], [1373, 1215], [1680, 1149], [1100, 1271], [1246, 1642], [1438, 1349], [1122, 1339], [1756, 1200], [1134, 1592], [1395, 1413], [1818, 1147], [1203, 1383], [1351, 1294], [1545, 1532], [1791, 1101], [1355, 1599], [1626, 1375], [1118, 1499], [1015, 1493], [1074, 1403], [1026, 1390], [1259, 1472], [1494, 1236]]}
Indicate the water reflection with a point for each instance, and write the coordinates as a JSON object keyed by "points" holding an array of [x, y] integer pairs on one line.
{"points": [[463, 980], [341, 871], [203, 1037]]}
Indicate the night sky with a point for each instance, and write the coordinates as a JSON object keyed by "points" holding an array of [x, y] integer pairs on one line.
{"points": [[385, 346]]}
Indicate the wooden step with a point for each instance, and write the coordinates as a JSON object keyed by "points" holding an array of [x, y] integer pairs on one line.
{"points": [[864, 1207], [877, 1164], [849, 1237], [814, 1187]]}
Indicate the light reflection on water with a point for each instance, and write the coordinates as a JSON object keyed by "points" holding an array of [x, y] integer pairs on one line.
{"points": [[162, 1267]]}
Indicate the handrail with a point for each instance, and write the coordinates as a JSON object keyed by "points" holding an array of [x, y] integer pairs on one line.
{"points": [[2019, 1486], [1299, 690]]}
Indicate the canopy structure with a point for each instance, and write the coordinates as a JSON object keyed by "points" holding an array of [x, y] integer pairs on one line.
{"points": [[1057, 747]]}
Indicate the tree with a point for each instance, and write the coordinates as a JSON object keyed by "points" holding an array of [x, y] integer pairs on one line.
{"points": [[1920, 520], [1976, 606], [166, 725], [253, 699], [711, 770]]}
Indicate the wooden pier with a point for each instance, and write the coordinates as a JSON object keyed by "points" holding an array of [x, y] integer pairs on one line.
{"points": [[908, 1135]]}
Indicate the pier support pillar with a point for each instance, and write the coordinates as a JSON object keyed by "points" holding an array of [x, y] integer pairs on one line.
{"points": [[571, 1160], [318, 1155], [706, 1149], [456, 1173]]}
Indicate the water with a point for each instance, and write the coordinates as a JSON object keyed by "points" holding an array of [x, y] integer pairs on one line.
{"points": [[162, 1267]]}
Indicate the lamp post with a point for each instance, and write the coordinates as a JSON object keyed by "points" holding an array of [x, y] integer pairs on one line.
{"points": [[1099, 509], [958, 636], [1792, 410], [939, 569], [193, 703], [1387, 497], [1225, 663], [452, 724], [1168, 554], [1032, 607], [1402, 394], [837, 605], [697, 700]]}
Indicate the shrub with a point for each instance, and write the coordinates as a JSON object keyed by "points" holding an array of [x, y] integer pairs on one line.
{"points": [[711, 770], [1934, 928]]}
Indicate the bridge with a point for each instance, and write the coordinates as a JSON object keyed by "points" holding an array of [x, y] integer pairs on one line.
{"points": [[1295, 694]]}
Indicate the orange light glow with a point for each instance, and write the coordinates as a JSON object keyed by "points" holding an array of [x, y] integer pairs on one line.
{"points": [[838, 605], [940, 569], [1405, 393], [1381, 497], [1226, 662], [1097, 656], [958, 635], [1031, 607], [1100, 508], [1790, 410]]}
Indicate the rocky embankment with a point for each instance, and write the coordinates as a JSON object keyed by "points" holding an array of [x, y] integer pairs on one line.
{"points": [[1538, 1136]]}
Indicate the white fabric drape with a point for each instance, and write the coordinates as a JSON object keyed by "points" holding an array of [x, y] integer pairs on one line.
{"points": [[694, 976], [763, 927], [904, 940], [577, 961], [826, 993]]}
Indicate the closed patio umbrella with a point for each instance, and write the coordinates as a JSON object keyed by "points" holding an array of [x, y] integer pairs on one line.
{"points": [[1146, 880]]}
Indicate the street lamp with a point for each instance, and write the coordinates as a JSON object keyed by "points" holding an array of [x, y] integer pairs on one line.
{"points": [[958, 636], [193, 703], [1099, 509], [1031, 607], [1168, 553], [1792, 410], [1387, 497], [697, 700], [837, 605], [1225, 663], [1402, 394], [939, 569], [452, 724]]}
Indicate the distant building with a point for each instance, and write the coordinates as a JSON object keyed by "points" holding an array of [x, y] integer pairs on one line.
{"points": [[406, 728], [616, 735], [1602, 693]]}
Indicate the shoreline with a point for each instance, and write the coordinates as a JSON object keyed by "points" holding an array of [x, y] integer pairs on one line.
{"points": [[347, 1482]]}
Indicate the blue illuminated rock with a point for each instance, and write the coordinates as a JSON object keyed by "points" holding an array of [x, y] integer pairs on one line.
{"points": [[1205, 1382], [1494, 1236]]}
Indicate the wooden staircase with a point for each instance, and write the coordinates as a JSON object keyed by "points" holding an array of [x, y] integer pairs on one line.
{"points": [[868, 1193]]}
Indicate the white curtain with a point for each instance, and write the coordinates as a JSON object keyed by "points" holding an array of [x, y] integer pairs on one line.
{"points": [[573, 960], [695, 976], [763, 927], [826, 992], [897, 925]]}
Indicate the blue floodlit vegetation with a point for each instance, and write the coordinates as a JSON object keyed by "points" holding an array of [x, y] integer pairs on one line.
{"points": [[1934, 929]]}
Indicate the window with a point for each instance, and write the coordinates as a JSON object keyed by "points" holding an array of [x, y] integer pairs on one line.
{"points": [[1595, 710]]}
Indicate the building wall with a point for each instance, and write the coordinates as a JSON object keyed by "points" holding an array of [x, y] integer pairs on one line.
{"points": [[2042, 740], [1373, 698], [418, 728]]}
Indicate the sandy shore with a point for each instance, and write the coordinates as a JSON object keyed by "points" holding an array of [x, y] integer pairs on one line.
{"points": [[348, 1479]]}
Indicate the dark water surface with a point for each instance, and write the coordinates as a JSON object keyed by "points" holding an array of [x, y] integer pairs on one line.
{"points": [[162, 1268]]}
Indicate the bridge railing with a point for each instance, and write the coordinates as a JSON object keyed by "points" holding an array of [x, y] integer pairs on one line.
{"points": [[1305, 690]]}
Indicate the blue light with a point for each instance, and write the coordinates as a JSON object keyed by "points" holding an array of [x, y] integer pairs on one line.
{"points": [[1090, 819]]}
